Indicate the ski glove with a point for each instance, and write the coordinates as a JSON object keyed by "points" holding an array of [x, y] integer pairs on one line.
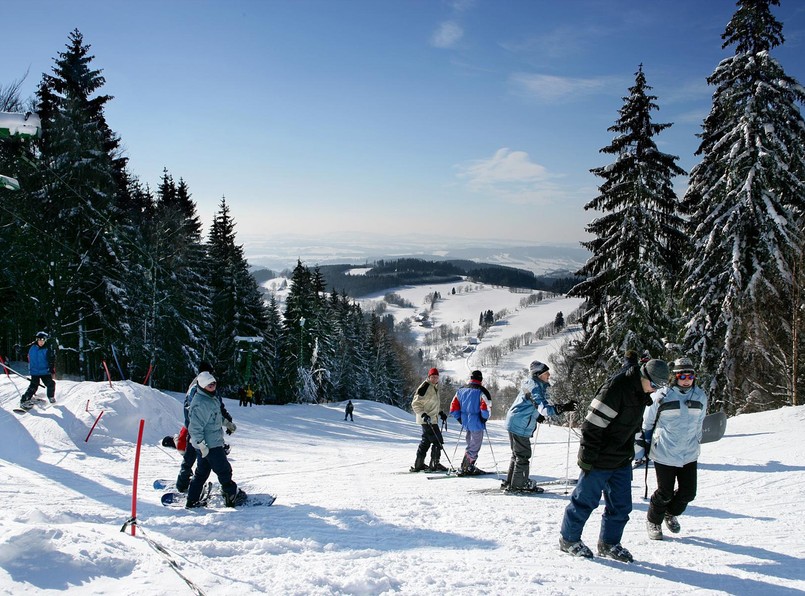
{"points": [[230, 427], [425, 418], [584, 465], [568, 407], [202, 446], [540, 419]]}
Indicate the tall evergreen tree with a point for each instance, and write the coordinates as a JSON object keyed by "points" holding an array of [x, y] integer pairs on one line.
{"points": [[81, 253], [638, 239], [744, 202], [238, 309]]}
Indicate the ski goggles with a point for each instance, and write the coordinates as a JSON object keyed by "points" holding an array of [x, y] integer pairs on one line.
{"points": [[685, 376]]}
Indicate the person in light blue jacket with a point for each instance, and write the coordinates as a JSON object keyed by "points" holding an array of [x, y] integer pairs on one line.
{"points": [[207, 437], [530, 407], [672, 429]]}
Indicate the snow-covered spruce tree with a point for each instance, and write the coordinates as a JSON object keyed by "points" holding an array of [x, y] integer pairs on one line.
{"points": [[744, 204], [174, 308], [237, 308], [638, 241], [300, 308], [81, 249]]}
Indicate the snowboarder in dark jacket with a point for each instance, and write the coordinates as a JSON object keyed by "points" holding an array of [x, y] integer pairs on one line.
{"points": [[348, 411], [41, 367], [605, 457]]}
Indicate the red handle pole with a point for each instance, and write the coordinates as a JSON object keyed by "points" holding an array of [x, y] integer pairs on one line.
{"points": [[134, 480], [108, 376], [93, 426]]}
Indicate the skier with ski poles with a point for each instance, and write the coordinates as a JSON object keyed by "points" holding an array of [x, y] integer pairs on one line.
{"points": [[605, 458], [672, 430], [426, 406], [42, 367], [471, 407], [530, 407]]}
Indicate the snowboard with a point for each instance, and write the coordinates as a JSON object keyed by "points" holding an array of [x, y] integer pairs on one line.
{"points": [[162, 484], [38, 402], [176, 499], [713, 427]]}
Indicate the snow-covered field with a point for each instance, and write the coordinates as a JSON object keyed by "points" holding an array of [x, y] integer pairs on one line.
{"points": [[347, 521]]}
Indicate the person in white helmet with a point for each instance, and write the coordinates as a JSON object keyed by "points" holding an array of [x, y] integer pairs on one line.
{"points": [[672, 429]]}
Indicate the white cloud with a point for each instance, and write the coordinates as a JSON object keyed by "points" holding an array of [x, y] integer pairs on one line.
{"points": [[447, 35], [510, 176], [553, 88]]}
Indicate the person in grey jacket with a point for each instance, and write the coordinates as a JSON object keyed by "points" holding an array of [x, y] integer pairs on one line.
{"points": [[672, 428], [207, 438]]}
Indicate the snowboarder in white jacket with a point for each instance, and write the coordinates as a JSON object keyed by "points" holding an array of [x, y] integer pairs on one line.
{"points": [[207, 437], [672, 428]]}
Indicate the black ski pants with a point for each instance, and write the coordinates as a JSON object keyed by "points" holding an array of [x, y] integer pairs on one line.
{"points": [[217, 462], [47, 381], [666, 500], [186, 469], [431, 439], [520, 461]]}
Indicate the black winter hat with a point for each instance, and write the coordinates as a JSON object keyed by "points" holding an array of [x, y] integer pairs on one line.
{"points": [[477, 375], [537, 368], [656, 371]]}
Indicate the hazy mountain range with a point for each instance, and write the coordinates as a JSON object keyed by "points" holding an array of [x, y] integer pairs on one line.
{"points": [[279, 252]]}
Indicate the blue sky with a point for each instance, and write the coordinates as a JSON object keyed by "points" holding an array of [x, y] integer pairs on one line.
{"points": [[465, 118]]}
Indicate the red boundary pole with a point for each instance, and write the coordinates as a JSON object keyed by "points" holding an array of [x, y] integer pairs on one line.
{"points": [[136, 473], [108, 376], [148, 374], [93, 426]]}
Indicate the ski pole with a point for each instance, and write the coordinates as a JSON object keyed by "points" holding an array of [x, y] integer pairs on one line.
{"points": [[441, 446], [567, 459], [460, 432], [494, 459]]}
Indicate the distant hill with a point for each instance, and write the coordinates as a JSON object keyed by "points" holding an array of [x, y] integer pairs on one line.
{"points": [[386, 274]]}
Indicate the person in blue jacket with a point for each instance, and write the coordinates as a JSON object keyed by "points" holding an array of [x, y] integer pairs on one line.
{"points": [[530, 407], [672, 428], [472, 406], [207, 437], [41, 367]]}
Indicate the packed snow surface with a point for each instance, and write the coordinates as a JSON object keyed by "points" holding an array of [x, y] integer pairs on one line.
{"points": [[349, 520]]}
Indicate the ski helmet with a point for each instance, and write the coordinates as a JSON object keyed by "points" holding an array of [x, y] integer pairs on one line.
{"points": [[41, 335], [683, 365]]}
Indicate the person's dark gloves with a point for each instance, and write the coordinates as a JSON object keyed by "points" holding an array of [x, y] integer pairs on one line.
{"points": [[425, 418], [442, 415], [568, 406], [584, 465], [459, 419], [540, 419]]}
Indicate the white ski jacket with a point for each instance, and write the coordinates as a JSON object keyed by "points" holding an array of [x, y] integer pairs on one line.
{"points": [[675, 438]]}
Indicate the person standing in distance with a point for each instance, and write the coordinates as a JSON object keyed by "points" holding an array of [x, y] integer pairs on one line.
{"points": [[348, 411], [426, 407], [472, 406], [605, 457], [672, 427], [41, 367]]}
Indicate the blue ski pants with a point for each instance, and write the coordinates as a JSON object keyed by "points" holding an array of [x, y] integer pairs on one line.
{"points": [[616, 487]]}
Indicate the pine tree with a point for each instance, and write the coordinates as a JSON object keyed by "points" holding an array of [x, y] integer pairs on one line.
{"points": [[238, 309], [638, 239], [744, 204], [82, 174]]}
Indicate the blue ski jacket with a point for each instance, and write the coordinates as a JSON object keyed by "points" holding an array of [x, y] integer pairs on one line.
{"points": [[40, 360], [472, 406], [521, 419]]}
